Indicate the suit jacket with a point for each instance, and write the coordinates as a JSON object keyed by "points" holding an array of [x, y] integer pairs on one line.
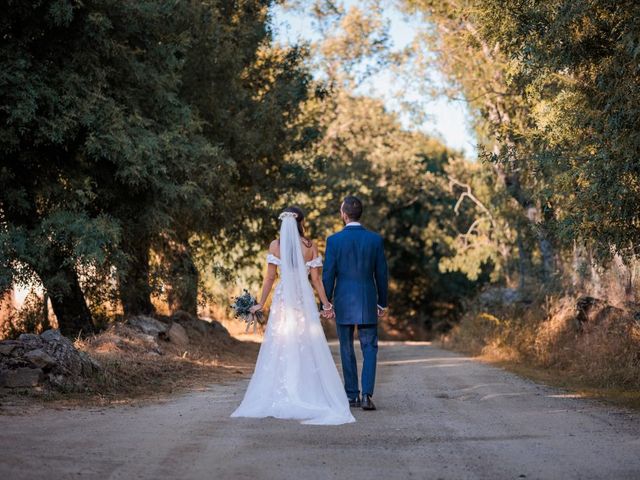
{"points": [[355, 275]]}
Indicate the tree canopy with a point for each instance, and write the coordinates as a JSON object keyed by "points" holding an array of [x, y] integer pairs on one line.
{"points": [[146, 146]]}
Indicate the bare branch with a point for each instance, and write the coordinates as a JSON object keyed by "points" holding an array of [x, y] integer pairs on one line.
{"points": [[468, 194]]}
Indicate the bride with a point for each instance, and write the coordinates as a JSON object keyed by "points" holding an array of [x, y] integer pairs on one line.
{"points": [[295, 376]]}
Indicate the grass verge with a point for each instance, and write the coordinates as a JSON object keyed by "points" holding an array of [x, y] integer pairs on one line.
{"points": [[540, 339]]}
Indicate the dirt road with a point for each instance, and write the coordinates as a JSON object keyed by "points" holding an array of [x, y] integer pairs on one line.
{"points": [[440, 415]]}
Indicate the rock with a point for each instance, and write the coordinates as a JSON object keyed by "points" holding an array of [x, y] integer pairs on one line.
{"points": [[148, 338], [40, 358], [88, 364], [147, 325], [218, 327], [67, 368], [57, 380], [28, 337], [152, 343], [52, 335], [6, 348], [592, 310], [21, 377], [178, 335], [202, 325]]}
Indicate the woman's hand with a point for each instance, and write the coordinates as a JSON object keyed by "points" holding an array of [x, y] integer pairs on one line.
{"points": [[256, 308], [327, 311]]}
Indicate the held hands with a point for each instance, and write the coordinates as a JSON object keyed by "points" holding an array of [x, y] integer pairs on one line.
{"points": [[327, 311], [256, 308]]}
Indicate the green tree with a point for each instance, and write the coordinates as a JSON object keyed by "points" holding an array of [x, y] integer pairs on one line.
{"points": [[248, 93], [478, 69], [403, 179], [582, 99], [95, 143]]}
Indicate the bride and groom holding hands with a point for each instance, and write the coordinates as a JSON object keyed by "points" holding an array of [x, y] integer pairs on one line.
{"points": [[295, 376]]}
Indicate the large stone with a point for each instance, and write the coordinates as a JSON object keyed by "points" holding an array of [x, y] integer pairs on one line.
{"points": [[40, 358], [21, 377], [218, 327], [591, 310], [6, 348], [28, 337], [202, 325], [52, 335], [178, 335], [71, 366], [90, 364], [66, 367], [148, 325]]}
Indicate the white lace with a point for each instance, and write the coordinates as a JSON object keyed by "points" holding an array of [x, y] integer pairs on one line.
{"points": [[314, 263], [295, 375]]}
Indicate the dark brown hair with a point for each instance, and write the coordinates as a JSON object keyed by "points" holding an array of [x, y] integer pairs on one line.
{"points": [[352, 207], [300, 219]]}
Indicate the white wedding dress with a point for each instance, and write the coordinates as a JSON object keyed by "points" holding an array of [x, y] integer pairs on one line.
{"points": [[295, 376]]}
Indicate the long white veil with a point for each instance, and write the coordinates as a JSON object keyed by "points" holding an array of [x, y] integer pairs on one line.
{"points": [[297, 295], [295, 375]]}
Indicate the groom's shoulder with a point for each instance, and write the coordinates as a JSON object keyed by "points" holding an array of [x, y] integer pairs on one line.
{"points": [[375, 236], [333, 236], [360, 231], [362, 234]]}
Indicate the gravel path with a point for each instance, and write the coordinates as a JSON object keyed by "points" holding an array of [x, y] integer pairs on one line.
{"points": [[441, 415]]}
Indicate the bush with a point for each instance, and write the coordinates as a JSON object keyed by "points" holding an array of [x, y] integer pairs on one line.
{"points": [[602, 351]]}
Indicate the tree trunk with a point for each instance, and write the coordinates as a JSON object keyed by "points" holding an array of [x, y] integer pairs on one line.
{"points": [[523, 259], [548, 256], [498, 115], [542, 238], [45, 312], [134, 285], [182, 291], [67, 299]]}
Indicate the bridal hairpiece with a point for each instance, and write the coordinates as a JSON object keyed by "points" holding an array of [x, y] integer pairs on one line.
{"points": [[284, 215]]}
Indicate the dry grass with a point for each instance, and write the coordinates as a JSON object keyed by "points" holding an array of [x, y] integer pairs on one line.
{"points": [[542, 341], [133, 368], [138, 368]]}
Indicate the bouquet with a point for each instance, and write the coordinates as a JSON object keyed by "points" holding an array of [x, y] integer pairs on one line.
{"points": [[241, 307]]}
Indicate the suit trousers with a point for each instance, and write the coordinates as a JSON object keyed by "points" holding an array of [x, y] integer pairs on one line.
{"points": [[368, 335]]}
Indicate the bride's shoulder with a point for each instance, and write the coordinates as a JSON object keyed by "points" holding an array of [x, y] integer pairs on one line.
{"points": [[309, 251], [314, 247], [274, 247]]}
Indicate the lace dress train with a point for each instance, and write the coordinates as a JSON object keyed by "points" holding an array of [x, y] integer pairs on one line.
{"points": [[295, 376]]}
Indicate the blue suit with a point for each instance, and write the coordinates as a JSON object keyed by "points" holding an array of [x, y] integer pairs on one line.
{"points": [[355, 280]]}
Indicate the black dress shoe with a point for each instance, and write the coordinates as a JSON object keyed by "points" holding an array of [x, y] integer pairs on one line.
{"points": [[367, 403], [355, 403]]}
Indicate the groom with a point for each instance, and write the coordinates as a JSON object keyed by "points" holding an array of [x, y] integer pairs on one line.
{"points": [[355, 279]]}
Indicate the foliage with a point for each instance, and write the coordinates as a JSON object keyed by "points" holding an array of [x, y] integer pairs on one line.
{"points": [[402, 179], [109, 146], [582, 98], [146, 147], [559, 118]]}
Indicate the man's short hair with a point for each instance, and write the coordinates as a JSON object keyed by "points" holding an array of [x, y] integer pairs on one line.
{"points": [[352, 207]]}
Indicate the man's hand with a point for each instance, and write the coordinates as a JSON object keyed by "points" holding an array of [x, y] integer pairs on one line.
{"points": [[381, 312]]}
